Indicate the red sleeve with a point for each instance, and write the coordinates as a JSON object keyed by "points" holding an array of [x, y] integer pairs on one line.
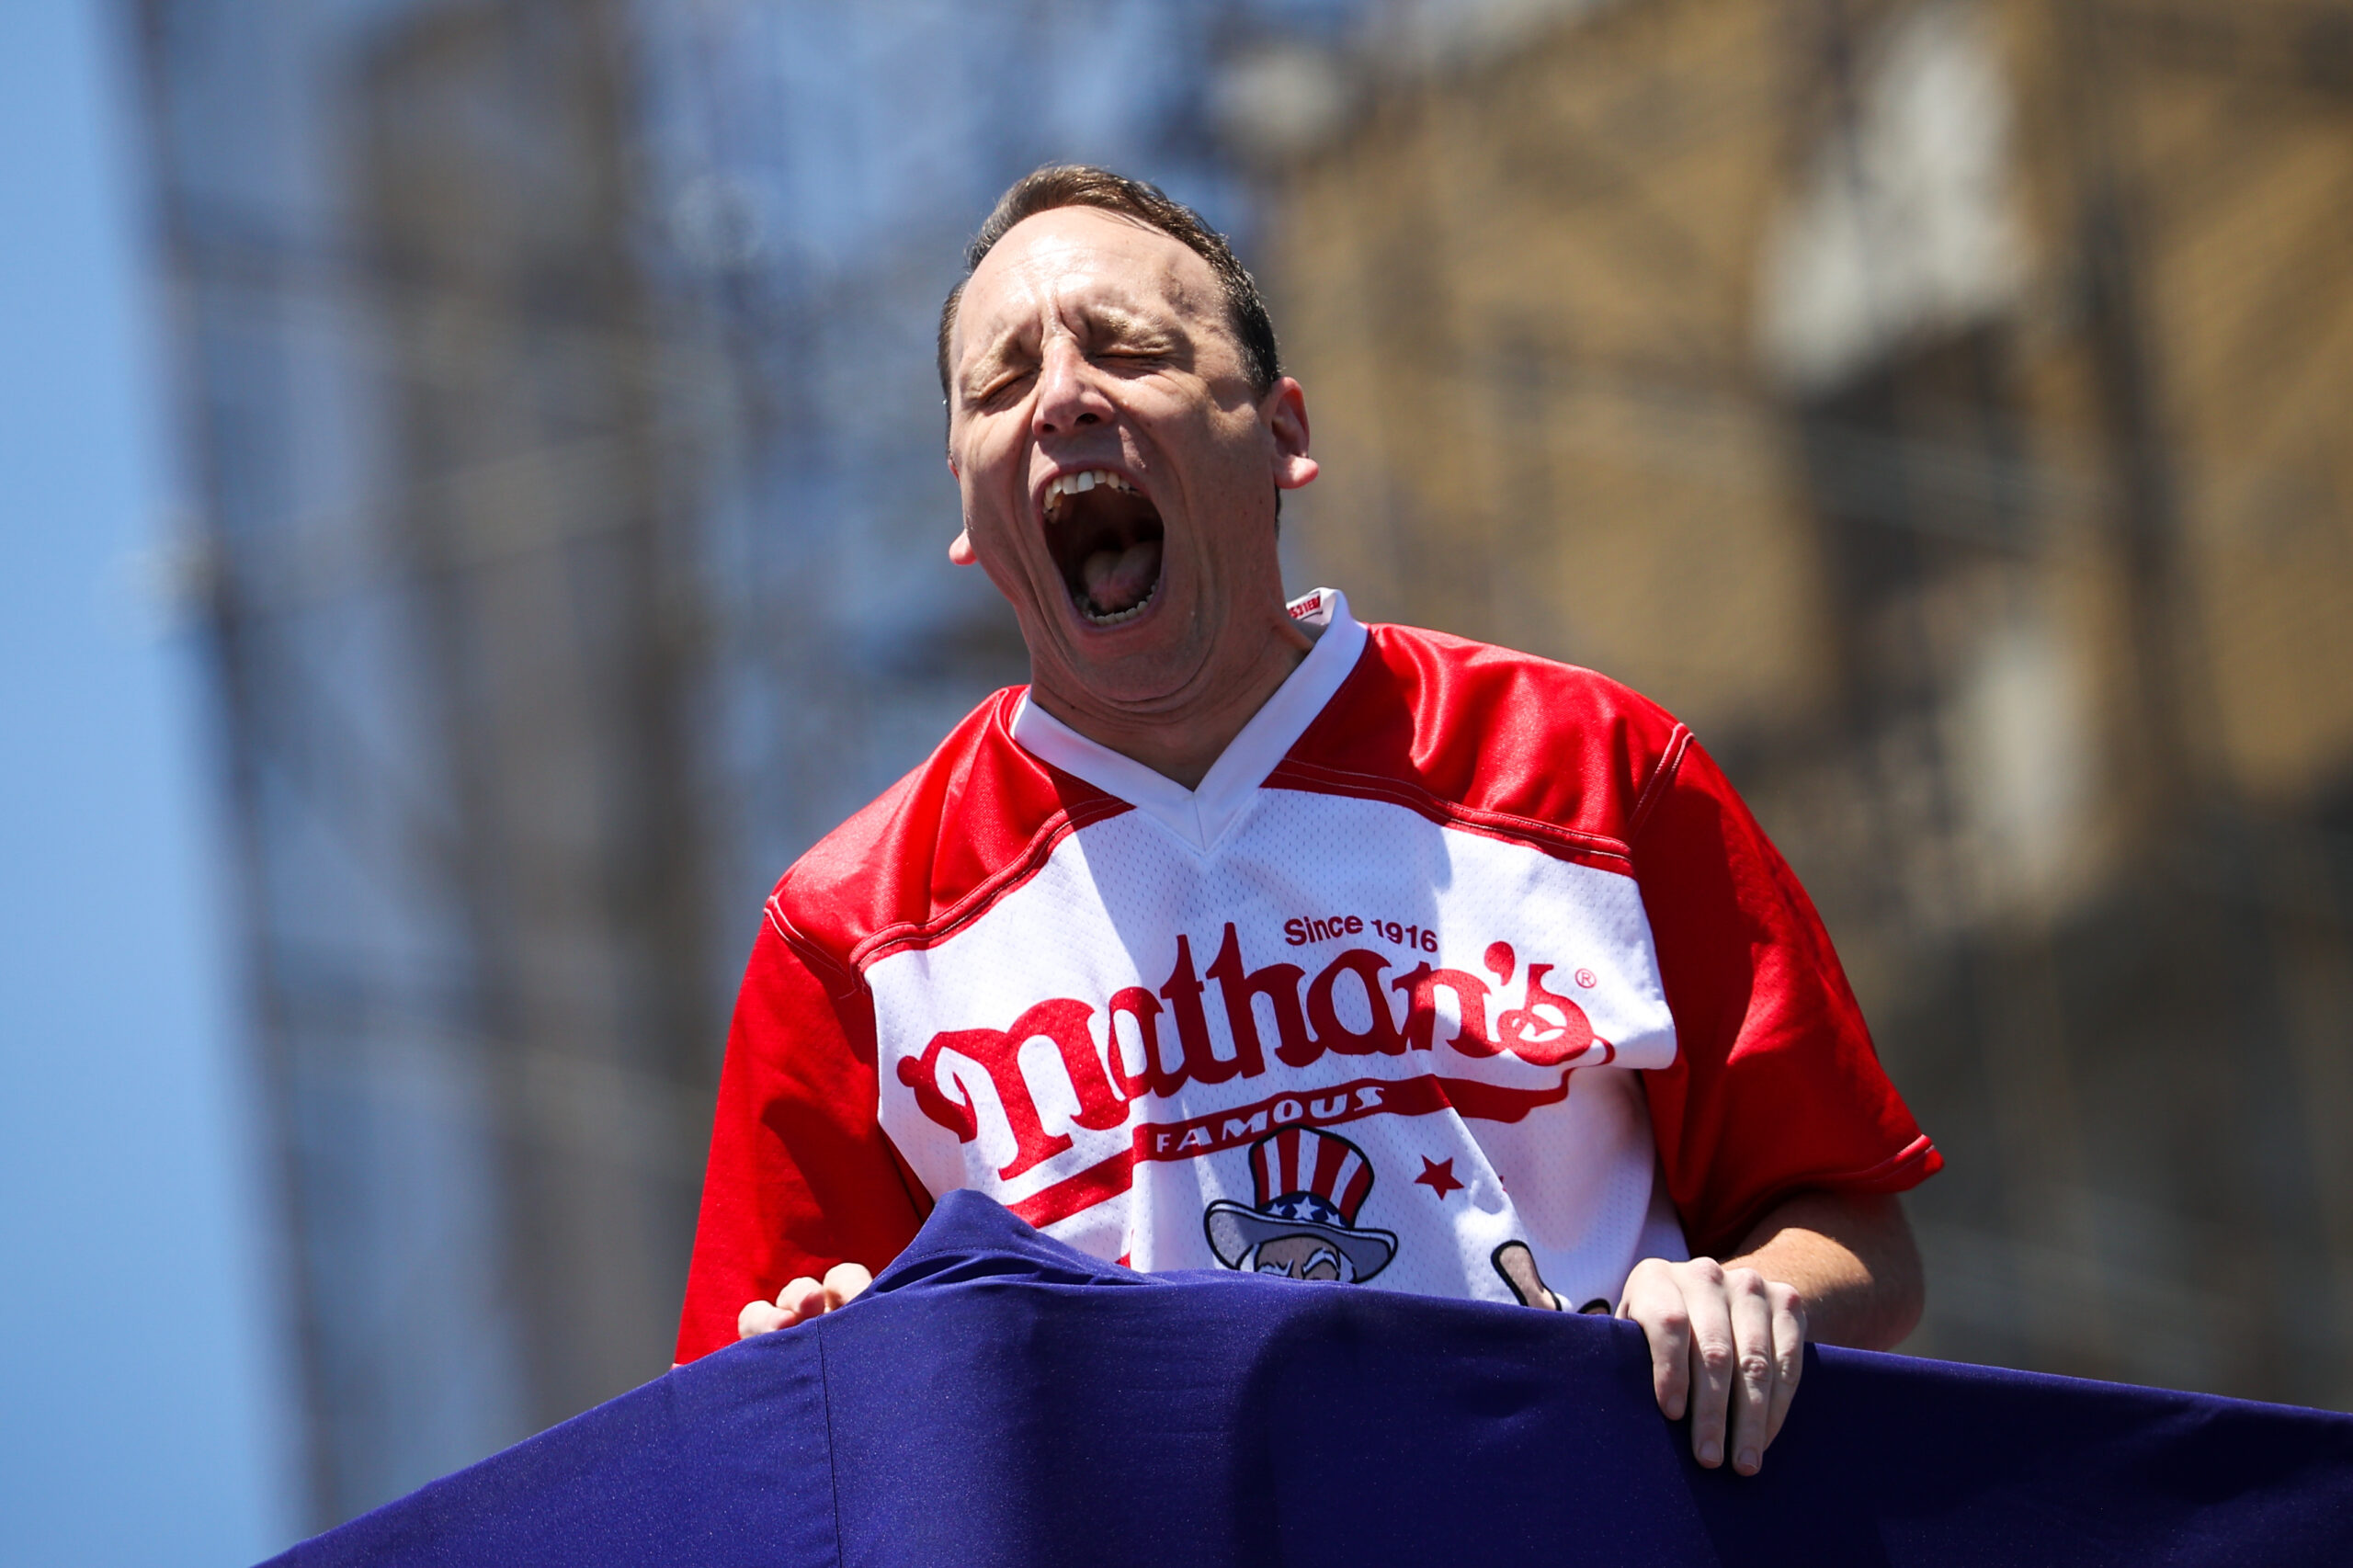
{"points": [[800, 1176], [1776, 1086]]}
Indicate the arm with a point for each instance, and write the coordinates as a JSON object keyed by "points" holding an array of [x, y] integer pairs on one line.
{"points": [[800, 1177], [1851, 1256], [1779, 1132], [1728, 1339]]}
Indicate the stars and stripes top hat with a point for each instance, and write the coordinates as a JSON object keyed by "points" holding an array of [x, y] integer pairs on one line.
{"points": [[1307, 1182]]}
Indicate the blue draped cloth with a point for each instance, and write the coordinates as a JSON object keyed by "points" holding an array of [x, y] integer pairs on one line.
{"points": [[999, 1398]]}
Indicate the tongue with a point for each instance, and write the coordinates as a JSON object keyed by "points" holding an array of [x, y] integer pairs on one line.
{"points": [[1120, 579]]}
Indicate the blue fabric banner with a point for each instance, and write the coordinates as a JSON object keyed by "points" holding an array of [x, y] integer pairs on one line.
{"points": [[998, 1398]]}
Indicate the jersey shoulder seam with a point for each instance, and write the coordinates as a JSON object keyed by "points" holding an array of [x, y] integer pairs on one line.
{"points": [[1312, 777], [900, 936], [840, 980], [1670, 762]]}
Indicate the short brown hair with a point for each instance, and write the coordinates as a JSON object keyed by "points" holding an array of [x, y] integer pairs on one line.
{"points": [[1083, 185]]}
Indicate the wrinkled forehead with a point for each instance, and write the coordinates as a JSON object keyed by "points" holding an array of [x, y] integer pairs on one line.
{"points": [[1073, 264]]}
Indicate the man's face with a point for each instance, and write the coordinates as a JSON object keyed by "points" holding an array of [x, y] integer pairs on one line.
{"points": [[1299, 1258], [1118, 473]]}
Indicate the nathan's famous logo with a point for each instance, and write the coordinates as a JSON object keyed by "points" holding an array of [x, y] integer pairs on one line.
{"points": [[1545, 1028], [1308, 1187]]}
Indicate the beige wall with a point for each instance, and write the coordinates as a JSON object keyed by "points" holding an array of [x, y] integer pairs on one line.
{"points": [[1519, 300], [1523, 296], [1583, 374]]}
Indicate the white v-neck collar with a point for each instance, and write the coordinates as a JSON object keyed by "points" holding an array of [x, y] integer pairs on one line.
{"points": [[1200, 816]]}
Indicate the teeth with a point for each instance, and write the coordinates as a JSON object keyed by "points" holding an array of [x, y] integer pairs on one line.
{"points": [[1119, 617], [1078, 484]]}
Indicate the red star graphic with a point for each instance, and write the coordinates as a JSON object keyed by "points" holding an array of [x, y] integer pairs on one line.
{"points": [[1438, 1176]]}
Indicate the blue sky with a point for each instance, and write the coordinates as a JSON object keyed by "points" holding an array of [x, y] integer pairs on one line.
{"points": [[141, 1394]]}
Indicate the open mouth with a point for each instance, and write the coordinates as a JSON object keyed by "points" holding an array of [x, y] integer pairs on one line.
{"points": [[1104, 537]]}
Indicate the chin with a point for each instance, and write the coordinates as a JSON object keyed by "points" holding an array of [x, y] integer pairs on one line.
{"points": [[1146, 660]]}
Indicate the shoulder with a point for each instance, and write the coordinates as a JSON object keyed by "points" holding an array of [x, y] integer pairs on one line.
{"points": [[1489, 730], [941, 841]]}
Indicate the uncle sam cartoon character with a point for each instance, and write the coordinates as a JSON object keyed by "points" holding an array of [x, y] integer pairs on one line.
{"points": [[1308, 1187]]}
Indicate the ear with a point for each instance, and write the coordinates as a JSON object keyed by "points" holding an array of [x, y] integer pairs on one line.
{"points": [[1284, 409], [960, 548]]}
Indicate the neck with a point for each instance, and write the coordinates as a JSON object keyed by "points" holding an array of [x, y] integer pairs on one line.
{"points": [[1182, 742]]}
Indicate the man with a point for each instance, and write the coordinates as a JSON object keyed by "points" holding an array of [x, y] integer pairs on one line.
{"points": [[1229, 868]]}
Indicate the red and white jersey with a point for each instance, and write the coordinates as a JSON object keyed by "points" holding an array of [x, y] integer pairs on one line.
{"points": [[1463, 973]]}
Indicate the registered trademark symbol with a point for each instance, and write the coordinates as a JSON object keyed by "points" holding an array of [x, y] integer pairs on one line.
{"points": [[1586, 979]]}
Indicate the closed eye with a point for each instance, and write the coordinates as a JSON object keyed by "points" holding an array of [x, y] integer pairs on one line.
{"points": [[1133, 357], [1003, 389]]}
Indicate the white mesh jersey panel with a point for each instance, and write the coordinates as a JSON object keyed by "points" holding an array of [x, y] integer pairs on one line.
{"points": [[1469, 1150]]}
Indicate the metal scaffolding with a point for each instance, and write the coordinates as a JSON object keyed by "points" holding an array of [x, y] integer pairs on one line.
{"points": [[557, 393]]}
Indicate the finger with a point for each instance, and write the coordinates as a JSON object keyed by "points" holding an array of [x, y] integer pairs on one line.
{"points": [[758, 1317], [1655, 1302], [1752, 1391], [1711, 1358], [801, 1300], [844, 1282], [1789, 1353]]}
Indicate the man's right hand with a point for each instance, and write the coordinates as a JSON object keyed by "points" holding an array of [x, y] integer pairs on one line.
{"points": [[802, 1300]]}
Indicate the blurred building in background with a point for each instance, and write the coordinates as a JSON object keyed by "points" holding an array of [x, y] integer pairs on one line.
{"points": [[1942, 406], [570, 529], [1939, 404]]}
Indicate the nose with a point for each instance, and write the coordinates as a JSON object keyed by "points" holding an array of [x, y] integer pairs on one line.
{"points": [[1069, 396]]}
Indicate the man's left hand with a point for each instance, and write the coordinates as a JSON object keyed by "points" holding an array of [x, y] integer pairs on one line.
{"points": [[1728, 1339], [1727, 1345]]}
